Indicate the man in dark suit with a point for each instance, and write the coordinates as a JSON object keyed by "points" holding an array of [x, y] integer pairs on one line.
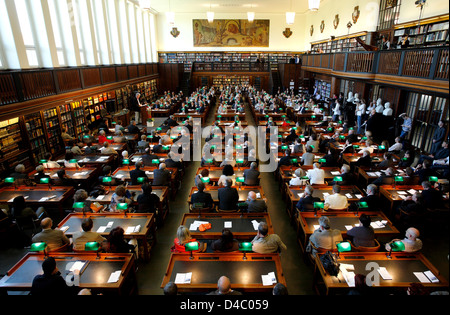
{"points": [[386, 178], [251, 175], [202, 197], [365, 160], [431, 196], [306, 202], [372, 198], [136, 173], [147, 159], [352, 136], [132, 128], [161, 176], [171, 122], [286, 159], [438, 137], [228, 196], [254, 204], [158, 148]]}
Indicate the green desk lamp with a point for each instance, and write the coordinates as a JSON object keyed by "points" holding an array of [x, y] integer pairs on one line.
{"points": [[190, 247], [245, 247]]}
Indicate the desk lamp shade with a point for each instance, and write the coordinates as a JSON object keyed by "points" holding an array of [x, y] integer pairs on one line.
{"points": [[219, 116], [159, 129], [209, 160], [191, 246], [294, 160], [238, 147], [126, 162], [78, 205], [9, 180], [205, 179], [432, 179], [141, 180], [398, 178], [381, 147], [107, 179], [356, 146], [109, 137], [44, 180], [365, 138], [245, 247], [318, 205], [239, 161], [397, 246], [343, 247], [338, 179], [166, 147], [363, 205], [302, 136], [122, 206], [342, 137], [284, 147], [73, 161], [150, 137], [92, 246], [38, 247], [86, 137], [313, 116], [322, 160], [155, 161], [240, 179], [43, 161]]}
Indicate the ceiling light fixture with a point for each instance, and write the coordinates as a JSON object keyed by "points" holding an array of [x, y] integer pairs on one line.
{"points": [[314, 5], [251, 15], [290, 16], [210, 15]]}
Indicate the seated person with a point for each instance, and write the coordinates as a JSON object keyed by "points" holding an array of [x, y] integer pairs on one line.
{"points": [[386, 178], [407, 159], [336, 200], [442, 153], [387, 162], [227, 173], [108, 149], [184, 237], [64, 180], [362, 235], [365, 159], [254, 204], [116, 242], [316, 175], [148, 202], [324, 237], [297, 178], [226, 243], [55, 238], [202, 197], [50, 164], [79, 239], [411, 241], [161, 176], [251, 175], [397, 146], [372, 198], [307, 158], [120, 195], [306, 202], [137, 173], [40, 173], [264, 242], [424, 171], [228, 196], [431, 196], [347, 177]]}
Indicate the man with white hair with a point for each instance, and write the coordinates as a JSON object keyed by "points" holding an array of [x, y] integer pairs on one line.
{"points": [[254, 204], [411, 241], [324, 237], [316, 175], [161, 176], [251, 175], [336, 201]]}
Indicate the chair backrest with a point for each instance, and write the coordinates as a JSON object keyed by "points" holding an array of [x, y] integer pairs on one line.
{"points": [[63, 248], [228, 211], [367, 248]]}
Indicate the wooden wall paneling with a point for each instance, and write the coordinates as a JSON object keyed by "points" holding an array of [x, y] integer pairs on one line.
{"points": [[36, 84], [108, 74], [122, 73], [91, 77], [132, 71], [68, 80], [8, 91]]}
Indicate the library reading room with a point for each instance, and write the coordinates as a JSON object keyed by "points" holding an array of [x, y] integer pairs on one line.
{"points": [[225, 147]]}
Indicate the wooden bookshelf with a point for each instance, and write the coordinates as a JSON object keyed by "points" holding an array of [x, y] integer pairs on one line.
{"points": [[339, 44], [36, 136], [426, 33]]}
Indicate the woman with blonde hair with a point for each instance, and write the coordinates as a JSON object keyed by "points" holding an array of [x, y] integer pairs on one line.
{"points": [[184, 237]]}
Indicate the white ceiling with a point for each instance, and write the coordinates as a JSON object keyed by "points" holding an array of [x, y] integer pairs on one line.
{"points": [[230, 6]]}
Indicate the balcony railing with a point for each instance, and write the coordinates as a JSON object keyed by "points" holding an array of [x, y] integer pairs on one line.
{"points": [[427, 63], [25, 85]]}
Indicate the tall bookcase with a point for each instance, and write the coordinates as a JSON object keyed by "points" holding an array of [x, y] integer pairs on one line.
{"points": [[67, 121], [13, 146], [53, 130], [36, 136]]}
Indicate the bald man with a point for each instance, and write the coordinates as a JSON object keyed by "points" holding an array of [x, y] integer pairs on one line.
{"points": [[161, 176], [411, 241], [224, 287], [53, 238], [254, 204]]}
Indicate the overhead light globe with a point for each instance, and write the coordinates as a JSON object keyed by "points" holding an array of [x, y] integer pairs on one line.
{"points": [[210, 16], [170, 17], [290, 17], [251, 16], [314, 5]]}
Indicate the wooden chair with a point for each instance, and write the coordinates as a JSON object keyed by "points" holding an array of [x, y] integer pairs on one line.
{"points": [[366, 248], [63, 248], [200, 208]]}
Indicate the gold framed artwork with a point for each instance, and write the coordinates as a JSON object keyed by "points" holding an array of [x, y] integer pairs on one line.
{"points": [[311, 30], [355, 14], [231, 33]]}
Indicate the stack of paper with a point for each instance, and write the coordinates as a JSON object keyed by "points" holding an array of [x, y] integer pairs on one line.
{"points": [[78, 265], [384, 273], [228, 225], [335, 173], [133, 229], [64, 228], [148, 173], [114, 277], [183, 278], [349, 276], [100, 197], [269, 279], [349, 196], [194, 226], [426, 277], [255, 225], [378, 224]]}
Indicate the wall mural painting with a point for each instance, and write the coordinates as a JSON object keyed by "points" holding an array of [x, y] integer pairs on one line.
{"points": [[231, 33]]}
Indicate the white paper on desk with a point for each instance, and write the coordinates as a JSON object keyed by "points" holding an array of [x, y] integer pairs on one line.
{"points": [[64, 228], [412, 191], [349, 227], [349, 196], [43, 199], [183, 278], [100, 197], [300, 195], [326, 194], [54, 176], [227, 225], [401, 192], [316, 227], [358, 196], [377, 225], [101, 229], [129, 230], [119, 176], [137, 228], [431, 276], [378, 173], [421, 276], [349, 278], [78, 265], [269, 279], [114, 277], [335, 173], [255, 224], [194, 226], [402, 196], [384, 273], [110, 224], [258, 195], [148, 173]]}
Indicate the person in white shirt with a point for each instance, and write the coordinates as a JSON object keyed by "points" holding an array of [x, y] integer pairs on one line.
{"points": [[411, 241], [360, 112], [316, 175], [368, 147], [50, 164], [297, 178], [336, 111], [336, 200], [397, 146]]}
